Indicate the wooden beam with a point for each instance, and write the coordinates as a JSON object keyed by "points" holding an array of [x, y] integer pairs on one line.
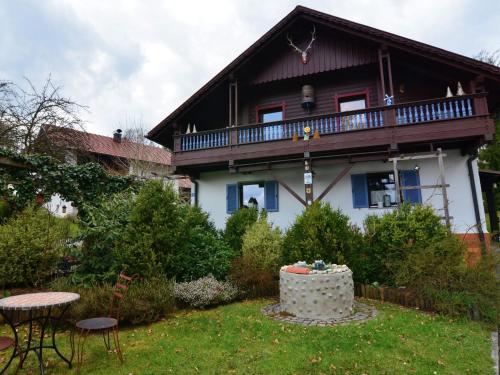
{"points": [[334, 182], [422, 187], [289, 189], [11, 163], [443, 188]]}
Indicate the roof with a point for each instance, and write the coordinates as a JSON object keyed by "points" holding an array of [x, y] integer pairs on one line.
{"points": [[102, 145], [367, 32]]}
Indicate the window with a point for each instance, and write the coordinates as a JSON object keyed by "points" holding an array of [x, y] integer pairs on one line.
{"points": [[271, 113], [252, 195], [352, 102], [258, 195], [381, 190]]}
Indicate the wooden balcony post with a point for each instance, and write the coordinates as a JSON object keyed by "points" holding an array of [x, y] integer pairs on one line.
{"points": [[480, 105], [233, 136], [177, 141], [389, 117]]}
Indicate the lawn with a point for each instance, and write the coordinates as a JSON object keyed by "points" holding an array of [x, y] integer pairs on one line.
{"points": [[238, 339]]}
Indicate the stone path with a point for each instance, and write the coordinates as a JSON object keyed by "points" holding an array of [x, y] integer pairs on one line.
{"points": [[362, 312]]}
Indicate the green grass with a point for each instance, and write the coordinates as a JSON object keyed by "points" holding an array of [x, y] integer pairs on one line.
{"points": [[238, 339]]}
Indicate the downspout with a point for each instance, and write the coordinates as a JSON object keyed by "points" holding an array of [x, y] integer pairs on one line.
{"points": [[474, 198]]}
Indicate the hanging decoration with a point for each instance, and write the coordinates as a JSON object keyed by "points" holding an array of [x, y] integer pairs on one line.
{"points": [[449, 94], [460, 90], [304, 53], [188, 131], [389, 100], [194, 128]]}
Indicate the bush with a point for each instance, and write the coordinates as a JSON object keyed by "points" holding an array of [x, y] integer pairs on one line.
{"points": [[101, 234], [236, 226], [146, 301], [203, 250], [321, 233], [395, 234], [153, 234], [438, 272], [31, 244], [257, 270], [206, 291]]}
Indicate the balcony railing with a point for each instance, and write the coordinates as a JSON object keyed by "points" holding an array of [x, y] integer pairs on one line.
{"points": [[371, 118]]}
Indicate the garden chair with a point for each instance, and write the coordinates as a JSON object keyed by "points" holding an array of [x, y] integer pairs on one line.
{"points": [[104, 324]]}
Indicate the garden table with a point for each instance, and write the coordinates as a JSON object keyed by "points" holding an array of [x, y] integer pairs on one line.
{"points": [[41, 308]]}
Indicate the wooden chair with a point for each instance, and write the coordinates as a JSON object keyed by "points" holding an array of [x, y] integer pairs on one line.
{"points": [[105, 324]]}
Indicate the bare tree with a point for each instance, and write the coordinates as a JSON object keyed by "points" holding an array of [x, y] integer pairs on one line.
{"points": [[492, 58], [38, 120], [141, 161]]}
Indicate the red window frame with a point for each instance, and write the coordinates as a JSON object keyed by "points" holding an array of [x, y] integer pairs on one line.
{"points": [[337, 98], [265, 107]]}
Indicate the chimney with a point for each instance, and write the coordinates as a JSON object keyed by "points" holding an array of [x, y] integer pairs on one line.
{"points": [[117, 136]]}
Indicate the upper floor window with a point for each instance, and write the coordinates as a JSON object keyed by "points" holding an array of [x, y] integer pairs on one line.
{"points": [[270, 113], [352, 103]]}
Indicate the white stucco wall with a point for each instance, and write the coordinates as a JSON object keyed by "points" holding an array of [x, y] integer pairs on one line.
{"points": [[212, 190]]}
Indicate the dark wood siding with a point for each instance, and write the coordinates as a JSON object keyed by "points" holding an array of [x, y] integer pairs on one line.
{"points": [[331, 51], [326, 86]]}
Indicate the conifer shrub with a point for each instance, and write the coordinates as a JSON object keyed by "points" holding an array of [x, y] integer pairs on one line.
{"points": [[396, 234], [31, 244], [257, 270], [236, 226], [321, 232]]}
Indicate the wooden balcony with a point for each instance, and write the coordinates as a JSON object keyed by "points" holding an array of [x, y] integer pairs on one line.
{"points": [[435, 120]]}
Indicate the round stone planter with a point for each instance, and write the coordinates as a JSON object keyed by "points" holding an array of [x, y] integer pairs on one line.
{"points": [[317, 296]]}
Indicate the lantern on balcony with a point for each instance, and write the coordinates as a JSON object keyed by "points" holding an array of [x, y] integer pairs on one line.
{"points": [[308, 102]]}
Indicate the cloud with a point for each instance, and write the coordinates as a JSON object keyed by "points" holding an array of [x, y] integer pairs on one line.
{"points": [[141, 59]]}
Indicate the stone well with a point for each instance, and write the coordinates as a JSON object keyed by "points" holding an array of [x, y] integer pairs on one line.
{"points": [[317, 295]]}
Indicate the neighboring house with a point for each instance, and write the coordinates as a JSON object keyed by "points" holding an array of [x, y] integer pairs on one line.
{"points": [[119, 156], [367, 96]]}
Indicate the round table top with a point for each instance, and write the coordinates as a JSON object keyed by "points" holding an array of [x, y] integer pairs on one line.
{"points": [[33, 301]]}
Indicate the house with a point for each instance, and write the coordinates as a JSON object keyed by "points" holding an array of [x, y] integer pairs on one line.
{"points": [[117, 155], [390, 120]]}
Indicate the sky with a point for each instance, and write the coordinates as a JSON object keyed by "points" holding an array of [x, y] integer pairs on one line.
{"points": [[135, 61]]}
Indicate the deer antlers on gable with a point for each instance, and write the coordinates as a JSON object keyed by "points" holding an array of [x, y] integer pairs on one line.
{"points": [[304, 54]]}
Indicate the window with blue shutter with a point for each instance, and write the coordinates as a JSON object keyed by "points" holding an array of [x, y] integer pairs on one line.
{"points": [[271, 189], [231, 198], [411, 178], [359, 191]]}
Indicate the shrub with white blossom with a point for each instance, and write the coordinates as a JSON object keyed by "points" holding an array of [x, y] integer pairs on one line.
{"points": [[206, 291]]}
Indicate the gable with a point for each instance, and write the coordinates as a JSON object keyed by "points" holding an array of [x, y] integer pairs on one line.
{"points": [[332, 50]]}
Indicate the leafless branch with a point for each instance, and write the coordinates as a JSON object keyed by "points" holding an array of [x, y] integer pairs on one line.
{"points": [[29, 118]]}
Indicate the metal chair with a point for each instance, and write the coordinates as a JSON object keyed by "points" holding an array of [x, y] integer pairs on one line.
{"points": [[105, 324]]}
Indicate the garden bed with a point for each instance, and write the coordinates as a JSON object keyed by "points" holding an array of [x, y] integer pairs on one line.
{"points": [[239, 339]]}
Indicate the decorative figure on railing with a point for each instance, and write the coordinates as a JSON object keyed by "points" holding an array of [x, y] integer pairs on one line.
{"points": [[295, 137], [194, 128], [188, 131], [449, 94], [316, 134], [460, 90], [389, 100], [307, 130], [304, 54]]}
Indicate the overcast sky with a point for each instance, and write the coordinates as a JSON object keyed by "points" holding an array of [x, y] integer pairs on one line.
{"points": [[139, 60]]}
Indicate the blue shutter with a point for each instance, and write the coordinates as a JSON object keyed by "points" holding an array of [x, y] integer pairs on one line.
{"points": [[231, 198], [271, 189], [359, 191], [411, 178]]}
